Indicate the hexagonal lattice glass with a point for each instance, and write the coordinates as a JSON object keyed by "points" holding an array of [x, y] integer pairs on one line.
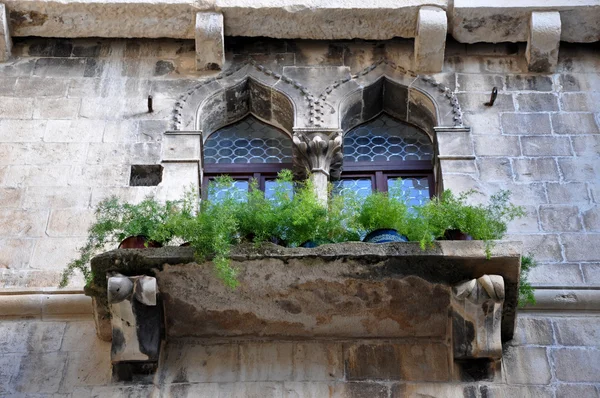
{"points": [[248, 141], [386, 139]]}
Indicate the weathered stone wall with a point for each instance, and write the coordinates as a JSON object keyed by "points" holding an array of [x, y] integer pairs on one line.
{"points": [[73, 119], [549, 357]]}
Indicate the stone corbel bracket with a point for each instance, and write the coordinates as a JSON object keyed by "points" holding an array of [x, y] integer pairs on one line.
{"points": [[137, 324], [477, 317], [210, 41], [5, 40], [543, 41], [430, 39], [317, 151]]}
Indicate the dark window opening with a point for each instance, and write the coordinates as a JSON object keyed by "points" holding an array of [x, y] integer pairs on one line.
{"points": [[145, 175]]}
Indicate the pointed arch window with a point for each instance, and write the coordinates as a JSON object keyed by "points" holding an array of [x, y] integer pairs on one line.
{"points": [[245, 150], [384, 153]]}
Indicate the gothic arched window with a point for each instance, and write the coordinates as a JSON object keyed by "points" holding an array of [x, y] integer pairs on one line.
{"points": [[245, 150], [384, 153]]}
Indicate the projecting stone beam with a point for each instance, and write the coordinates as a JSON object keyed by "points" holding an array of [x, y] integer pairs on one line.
{"points": [[543, 41], [430, 40], [210, 41], [5, 41]]}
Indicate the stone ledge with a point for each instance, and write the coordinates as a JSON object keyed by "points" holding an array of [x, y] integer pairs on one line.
{"points": [[44, 304]]}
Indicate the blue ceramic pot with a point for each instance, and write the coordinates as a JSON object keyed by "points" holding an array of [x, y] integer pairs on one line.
{"points": [[384, 236], [309, 244]]}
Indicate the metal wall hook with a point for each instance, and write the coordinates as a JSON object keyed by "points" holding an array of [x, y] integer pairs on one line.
{"points": [[493, 97], [150, 110]]}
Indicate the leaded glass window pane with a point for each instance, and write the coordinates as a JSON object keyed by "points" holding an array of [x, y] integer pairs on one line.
{"points": [[361, 186], [238, 189], [386, 139], [272, 185], [415, 190], [248, 141]]}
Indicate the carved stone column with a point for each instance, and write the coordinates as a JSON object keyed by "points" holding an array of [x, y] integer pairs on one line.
{"points": [[136, 317], [477, 317], [5, 40], [318, 152]]}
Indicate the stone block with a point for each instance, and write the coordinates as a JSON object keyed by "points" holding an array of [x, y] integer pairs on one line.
{"points": [[543, 41], [69, 222], [591, 273], [16, 108], [546, 146], [59, 67], [14, 153], [408, 362], [317, 361], [527, 223], [579, 169], [579, 82], [190, 361], [580, 102], [40, 373], [57, 153], [430, 39], [125, 131], [362, 390], [15, 253], [30, 336], [188, 390], [533, 331], [576, 391], [577, 364], [9, 370], [118, 153], [479, 82], [537, 102], [506, 391], [574, 123], [568, 193], [36, 197], [526, 123], [474, 103], [578, 331], [5, 40], [297, 389], [251, 390], [22, 130], [494, 169], [458, 166], [591, 219], [581, 247], [91, 368], [560, 218], [535, 169], [433, 390], [23, 223], [41, 87], [546, 247], [81, 130], [81, 336], [586, 145], [454, 143], [37, 176], [100, 176], [483, 123], [266, 361], [177, 178], [496, 145], [10, 197], [562, 274], [210, 41], [55, 253], [181, 147], [56, 108], [526, 365], [528, 83]]}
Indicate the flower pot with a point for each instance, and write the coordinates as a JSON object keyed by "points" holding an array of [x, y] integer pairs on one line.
{"points": [[138, 242], [309, 244], [456, 234], [384, 236]]}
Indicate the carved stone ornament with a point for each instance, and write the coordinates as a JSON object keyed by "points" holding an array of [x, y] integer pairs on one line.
{"points": [[136, 324], [477, 316], [318, 151]]}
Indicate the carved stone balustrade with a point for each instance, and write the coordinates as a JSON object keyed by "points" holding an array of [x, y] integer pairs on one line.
{"points": [[449, 302]]}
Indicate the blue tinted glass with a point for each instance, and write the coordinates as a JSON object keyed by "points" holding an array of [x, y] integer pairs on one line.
{"points": [[271, 187], [414, 190], [361, 186], [238, 189]]}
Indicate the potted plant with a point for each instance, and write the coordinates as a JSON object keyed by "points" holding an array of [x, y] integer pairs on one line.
{"points": [[383, 217], [133, 225], [451, 218]]}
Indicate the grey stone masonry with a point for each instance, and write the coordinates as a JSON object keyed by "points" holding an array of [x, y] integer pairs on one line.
{"points": [[64, 358]]}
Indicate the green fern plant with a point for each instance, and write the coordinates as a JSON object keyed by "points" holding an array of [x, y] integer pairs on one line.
{"points": [[526, 291]]}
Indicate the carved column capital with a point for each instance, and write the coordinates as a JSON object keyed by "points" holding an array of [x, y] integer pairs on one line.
{"points": [[318, 151]]}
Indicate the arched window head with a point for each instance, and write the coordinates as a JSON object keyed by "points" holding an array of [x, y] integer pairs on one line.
{"points": [[245, 150], [385, 154]]}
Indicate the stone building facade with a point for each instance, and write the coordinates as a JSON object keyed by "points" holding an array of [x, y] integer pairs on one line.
{"points": [[74, 120]]}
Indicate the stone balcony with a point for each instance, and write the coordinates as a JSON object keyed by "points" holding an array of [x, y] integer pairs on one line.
{"points": [[449, 302]]}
